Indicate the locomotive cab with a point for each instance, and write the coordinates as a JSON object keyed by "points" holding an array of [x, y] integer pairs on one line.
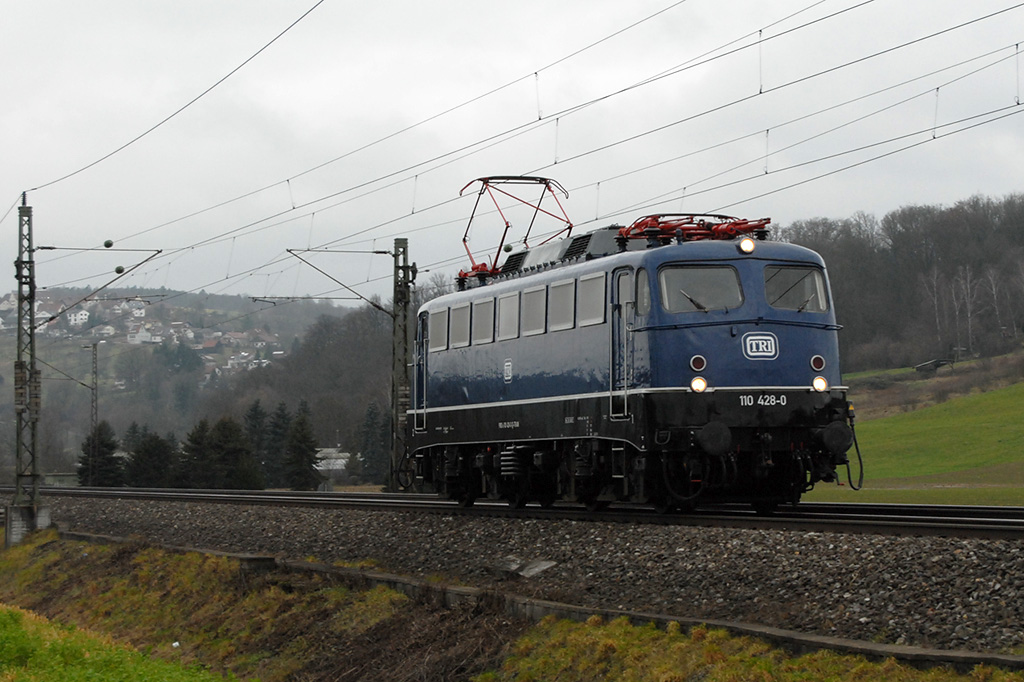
{"points": [[742, 392]]}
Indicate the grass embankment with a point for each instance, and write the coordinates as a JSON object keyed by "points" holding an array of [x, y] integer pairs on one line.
{"points": [[190, 608], [564, 650], [299, 626], [32, 648], [955, 438]]}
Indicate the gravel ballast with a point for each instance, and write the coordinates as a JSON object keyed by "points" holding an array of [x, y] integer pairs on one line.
{"points": [[926, 591]]}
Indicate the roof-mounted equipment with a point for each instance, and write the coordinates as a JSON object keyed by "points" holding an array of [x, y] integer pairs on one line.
{"points": [[665, 227]]}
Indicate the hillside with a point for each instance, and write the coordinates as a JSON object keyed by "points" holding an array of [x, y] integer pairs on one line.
{"points": [[165, 360], [891, 392], [954, 436]]}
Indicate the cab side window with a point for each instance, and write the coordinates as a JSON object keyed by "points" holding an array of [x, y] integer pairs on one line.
{"points": [[643, 293], [437, 330]]}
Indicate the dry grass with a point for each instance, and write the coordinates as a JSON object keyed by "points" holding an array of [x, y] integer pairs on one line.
{"points": [[199, 609], [884, 394]]}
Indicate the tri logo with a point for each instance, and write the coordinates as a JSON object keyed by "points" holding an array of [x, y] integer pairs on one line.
{"points": [[760, 346]]}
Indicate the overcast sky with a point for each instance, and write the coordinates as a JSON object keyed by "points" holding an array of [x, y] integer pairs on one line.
{"points": [[363, 122]]}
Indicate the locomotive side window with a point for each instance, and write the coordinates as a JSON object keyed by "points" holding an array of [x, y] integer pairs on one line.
{"points": [[534, 310], [459, 329], [483, 321], [590, 303], [562, 305], [686, 288], [508, 316], [437, 330], [643, 293], [795, 288]]}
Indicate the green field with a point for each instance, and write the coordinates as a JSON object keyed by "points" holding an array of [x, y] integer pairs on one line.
{"points": [[968, 450]]}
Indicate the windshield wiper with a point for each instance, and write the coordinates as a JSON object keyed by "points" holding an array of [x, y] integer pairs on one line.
{"points": [[804, 304], [696, 304]]}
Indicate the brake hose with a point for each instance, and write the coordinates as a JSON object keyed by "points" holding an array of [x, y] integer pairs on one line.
{"points": [[860, 460]]}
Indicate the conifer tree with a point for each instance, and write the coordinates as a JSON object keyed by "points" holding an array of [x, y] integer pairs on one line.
{"points": [[373, 439], [199, 468], [100, 466], [151, 463], [256, 430], [276, 444], [132, 437], [230, 447], [301, 459]]}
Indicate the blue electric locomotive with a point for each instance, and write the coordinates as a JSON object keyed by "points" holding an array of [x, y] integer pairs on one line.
{"points": [[635, 364]]}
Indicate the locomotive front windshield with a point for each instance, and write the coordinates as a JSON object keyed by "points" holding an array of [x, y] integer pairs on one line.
{"points": [[795, 288], [703, 288]]}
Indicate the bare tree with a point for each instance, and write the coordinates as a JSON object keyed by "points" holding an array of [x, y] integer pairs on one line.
{"points": [[438, 284], [1018, 281], [994, 285], [966, 288], [934, 286]]}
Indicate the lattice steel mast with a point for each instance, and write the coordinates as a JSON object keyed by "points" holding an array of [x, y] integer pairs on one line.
{"points": [[26, 513], [405, 275]]}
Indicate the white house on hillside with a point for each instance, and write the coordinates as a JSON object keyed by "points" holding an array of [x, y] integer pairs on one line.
{"points": [[77, 318]]}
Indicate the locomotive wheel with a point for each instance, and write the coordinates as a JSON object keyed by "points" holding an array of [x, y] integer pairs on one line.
{"points": [[465, 500], [681, 489], [518, 499], [596, 505], [517, 492], [765, 507]]}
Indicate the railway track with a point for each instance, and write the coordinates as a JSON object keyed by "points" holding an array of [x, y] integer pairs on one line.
{"points": [[1006, 523]]}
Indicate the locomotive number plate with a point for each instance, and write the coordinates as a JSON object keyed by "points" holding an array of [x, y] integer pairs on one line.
{"points": [[763, 400]]}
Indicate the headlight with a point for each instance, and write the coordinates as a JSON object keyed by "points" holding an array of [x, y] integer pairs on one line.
{"points": [[746, 245], [819, 384], [698, 384]]}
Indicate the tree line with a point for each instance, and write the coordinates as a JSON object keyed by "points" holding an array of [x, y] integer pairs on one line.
{"points": [[266, 450], [924, 282]]}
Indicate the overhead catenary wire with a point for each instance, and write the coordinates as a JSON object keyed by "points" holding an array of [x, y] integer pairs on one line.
{"points": [[835, 128], [494, 139], [226, 236], [1011, 112], [875, 158], [732, 103], [568, 111], [254, 224], [996, 114], [419, 123], [182, 108], [806, 116], [1005, 112]]}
